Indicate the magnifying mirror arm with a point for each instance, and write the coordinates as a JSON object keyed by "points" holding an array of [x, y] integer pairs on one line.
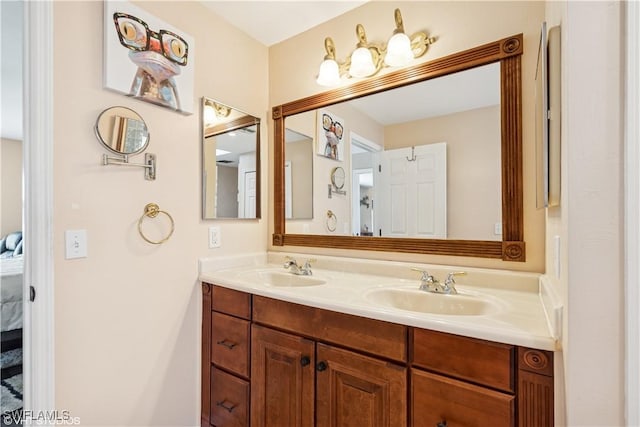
{"points": [[149, 163], [333, 189]]}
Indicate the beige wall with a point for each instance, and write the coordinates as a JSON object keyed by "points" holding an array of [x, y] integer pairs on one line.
{"points": [[127, 318], [458, 26], [300, 154], [474, 196], [10, 186], [588, 222]]}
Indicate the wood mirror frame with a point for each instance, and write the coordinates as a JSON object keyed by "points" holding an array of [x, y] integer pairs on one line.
{"points": [[508, 52]]}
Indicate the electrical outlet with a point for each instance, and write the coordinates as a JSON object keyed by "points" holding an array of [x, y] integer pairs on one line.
{"points": [[497, 228], [215, 237], [75, 244]]}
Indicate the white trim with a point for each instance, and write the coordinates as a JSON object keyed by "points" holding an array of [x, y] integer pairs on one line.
{"points": [[632, 217], [38, 206], [364, 142]]}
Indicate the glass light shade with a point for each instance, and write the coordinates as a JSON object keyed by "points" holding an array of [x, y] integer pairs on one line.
{"points": [[209, 114], [398, 50], [361, 63], [329, 74]]}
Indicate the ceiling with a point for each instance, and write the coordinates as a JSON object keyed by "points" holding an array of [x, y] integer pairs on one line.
{"points": [[271, 22]]}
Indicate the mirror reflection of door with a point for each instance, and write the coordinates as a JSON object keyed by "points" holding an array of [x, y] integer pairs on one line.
{"points": [[364, 160], [413, 198]]}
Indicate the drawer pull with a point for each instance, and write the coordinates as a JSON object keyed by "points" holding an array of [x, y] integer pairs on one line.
{"points": [[224, 404], [442, 423], [321, 366], [229, 344], [305, 360]]}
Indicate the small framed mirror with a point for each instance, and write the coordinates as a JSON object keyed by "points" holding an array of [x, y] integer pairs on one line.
{"points": [[122, 131], [230, 162]]}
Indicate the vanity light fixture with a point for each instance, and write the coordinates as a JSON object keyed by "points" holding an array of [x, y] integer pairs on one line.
{"points": [[213, 112], [369, 58]]}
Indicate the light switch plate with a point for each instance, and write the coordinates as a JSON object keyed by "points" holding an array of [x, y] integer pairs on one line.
{"points": [[75, 244]]}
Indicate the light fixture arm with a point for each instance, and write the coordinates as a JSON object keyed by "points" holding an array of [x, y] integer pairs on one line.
{"points": [[399, 24], [330, 48], [362, 36]]}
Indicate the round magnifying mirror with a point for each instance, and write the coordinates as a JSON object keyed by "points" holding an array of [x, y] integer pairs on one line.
{"points": [[122, 131], [337, 177]]}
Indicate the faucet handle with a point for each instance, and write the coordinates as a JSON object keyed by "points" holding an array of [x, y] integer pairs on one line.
{"points": [[426, 277], [310, 260], [289, 261], [450, 277]]}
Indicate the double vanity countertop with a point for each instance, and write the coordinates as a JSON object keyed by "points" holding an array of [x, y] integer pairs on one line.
{"points": [[496, 305]]}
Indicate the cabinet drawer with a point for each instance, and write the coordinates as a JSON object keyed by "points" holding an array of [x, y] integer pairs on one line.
{"points": [[229, 400], [436, 399], [479, 361], [371, 336], [230, 343], [232, 302]]}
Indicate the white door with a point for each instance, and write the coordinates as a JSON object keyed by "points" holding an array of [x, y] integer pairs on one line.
{"points": [[250, 194], [412, 197]]}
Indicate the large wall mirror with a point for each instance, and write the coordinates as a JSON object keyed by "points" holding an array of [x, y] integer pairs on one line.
{"points": [[230, 162], [432, 154]]}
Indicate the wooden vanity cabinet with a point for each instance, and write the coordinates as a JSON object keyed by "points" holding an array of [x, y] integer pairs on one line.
{"points": [[459, 381], [302, 377], [283, 370], [226, 342], [271, 363]]}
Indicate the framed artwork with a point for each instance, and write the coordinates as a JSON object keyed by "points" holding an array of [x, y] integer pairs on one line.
{"points": [[146, 58], [330, 130]]}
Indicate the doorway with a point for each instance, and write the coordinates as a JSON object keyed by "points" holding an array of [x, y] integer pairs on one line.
{"points": [[364, 160]]}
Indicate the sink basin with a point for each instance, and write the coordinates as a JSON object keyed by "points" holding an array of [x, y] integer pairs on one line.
{"points": [[283, 279], [432, 303]]}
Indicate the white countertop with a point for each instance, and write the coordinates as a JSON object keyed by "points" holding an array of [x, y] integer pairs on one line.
{"points": [[520, 320]]}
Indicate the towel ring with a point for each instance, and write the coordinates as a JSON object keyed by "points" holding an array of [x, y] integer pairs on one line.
{"points": [[152, 210], [332, 221]]}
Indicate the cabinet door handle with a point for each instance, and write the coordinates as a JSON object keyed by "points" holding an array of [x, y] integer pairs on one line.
{"points": [[305, 360], [227, 343], [442, 423], [321, 366], [224, 404]]}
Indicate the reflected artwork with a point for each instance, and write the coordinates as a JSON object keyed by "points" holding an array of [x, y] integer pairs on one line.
{"points": [[330, 135]]}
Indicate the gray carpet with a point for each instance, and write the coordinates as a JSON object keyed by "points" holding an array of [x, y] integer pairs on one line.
{"points": [[11, 397]]}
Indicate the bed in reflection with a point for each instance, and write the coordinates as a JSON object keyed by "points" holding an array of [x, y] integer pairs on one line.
{"points": [[11, 279]]}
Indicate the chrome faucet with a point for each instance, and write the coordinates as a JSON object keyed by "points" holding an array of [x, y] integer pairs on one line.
{"points": [[429, 283], [294, 268], [450, 283]]}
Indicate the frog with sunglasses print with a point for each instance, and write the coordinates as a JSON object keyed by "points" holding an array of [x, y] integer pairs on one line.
{"points": [[158, 56]]}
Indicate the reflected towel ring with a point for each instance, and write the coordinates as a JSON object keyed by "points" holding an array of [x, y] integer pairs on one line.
{"points": [[152, 210], [332, 221]]}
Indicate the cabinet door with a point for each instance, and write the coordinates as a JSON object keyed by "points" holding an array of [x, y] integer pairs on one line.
{"points": [[440, 401], [282, 379], [356, 391]]}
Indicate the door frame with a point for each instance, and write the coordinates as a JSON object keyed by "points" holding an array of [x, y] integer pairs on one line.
{"points": [[38, 317], [632, 216]]}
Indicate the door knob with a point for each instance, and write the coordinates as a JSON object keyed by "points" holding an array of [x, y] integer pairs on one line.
{"points": [[321, 366], [305, 360]]}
